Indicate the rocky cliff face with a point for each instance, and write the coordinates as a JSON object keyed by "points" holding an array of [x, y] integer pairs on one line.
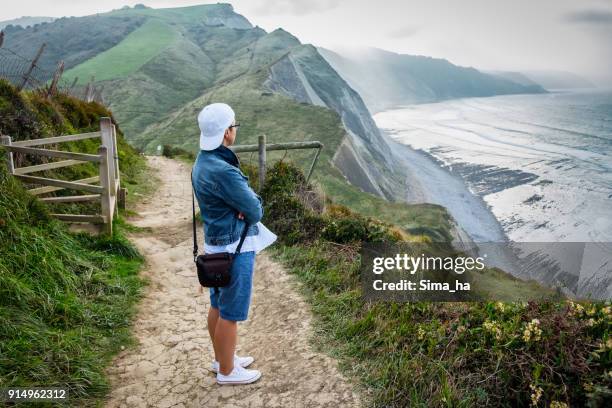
{"points": [[364, 157]]}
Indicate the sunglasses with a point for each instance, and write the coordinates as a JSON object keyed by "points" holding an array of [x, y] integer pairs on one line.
{"points": [[237, 125]]}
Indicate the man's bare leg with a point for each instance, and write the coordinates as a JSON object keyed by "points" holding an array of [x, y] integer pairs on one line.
{"points": [[226, 333], [213, 317]]}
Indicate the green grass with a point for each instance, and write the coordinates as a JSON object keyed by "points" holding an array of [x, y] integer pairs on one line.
{"points": [[141, 45], [73, 40], [66, 300]]}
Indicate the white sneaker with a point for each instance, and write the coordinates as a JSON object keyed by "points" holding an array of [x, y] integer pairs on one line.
{"points": [[239, 375], [241, 361]]}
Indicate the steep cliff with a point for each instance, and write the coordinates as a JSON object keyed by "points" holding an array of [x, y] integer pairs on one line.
{"points": [[364, 157]]}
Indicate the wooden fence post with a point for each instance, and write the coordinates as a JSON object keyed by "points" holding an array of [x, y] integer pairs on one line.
{"points": [[106, 130], [89, 90], [7, 141], [97, 96], [105, 197], [56, 77], [122, 198], [262, 160], [115, 159], [76, 79], [314, 161], [26, 77], [116, 155]]}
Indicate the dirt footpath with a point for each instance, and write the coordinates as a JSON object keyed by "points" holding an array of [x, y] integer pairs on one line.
{"points": [[169, 366]]}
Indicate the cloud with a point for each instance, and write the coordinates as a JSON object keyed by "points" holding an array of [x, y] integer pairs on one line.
{"points": [[294, 7], [403, 32], [590, 17]]}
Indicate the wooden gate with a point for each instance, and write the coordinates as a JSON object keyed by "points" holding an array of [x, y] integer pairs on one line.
{"points": [[108, 192]]}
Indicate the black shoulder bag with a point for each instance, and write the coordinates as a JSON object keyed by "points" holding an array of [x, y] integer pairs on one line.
{"points": [[214, 270]]}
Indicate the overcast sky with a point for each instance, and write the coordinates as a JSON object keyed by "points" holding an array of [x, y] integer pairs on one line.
{"points": [[569, 35]]}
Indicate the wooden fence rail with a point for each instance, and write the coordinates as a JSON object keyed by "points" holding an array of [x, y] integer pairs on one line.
{"points": [[108, 192], [261, 147]]}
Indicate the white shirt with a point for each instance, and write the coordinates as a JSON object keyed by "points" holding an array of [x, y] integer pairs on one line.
{"points": [[256, 243]]}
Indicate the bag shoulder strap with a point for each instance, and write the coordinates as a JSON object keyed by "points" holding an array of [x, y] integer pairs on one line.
{"points": [[242, 237], [195, 239]]}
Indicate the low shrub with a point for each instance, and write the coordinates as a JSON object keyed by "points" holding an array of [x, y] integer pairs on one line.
{"points": [[549, 354]]}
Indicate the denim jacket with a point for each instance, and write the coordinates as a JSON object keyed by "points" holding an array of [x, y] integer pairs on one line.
{"points": [[222, 191]]}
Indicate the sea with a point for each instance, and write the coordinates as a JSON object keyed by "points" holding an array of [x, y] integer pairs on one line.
{"points": [[523, 168]]}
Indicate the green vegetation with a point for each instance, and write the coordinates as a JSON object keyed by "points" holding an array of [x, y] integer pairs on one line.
{"points": [[555, 354], [66, 300], [144, 43], [69, 39]]}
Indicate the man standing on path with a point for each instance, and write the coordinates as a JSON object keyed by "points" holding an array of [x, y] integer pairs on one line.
{"points": [[228, 205]]}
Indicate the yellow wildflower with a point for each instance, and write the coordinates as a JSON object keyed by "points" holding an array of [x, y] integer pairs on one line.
{"points": [[500, 307], [536, 394], [420, 333], [532, 331], [493, 328], [576, 308], [603, 347]]}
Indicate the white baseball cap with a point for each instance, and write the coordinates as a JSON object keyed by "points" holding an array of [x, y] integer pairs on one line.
{"points": [[213, 120]]}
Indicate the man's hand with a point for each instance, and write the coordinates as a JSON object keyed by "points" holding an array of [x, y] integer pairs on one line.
{"points": [[240, 216]]}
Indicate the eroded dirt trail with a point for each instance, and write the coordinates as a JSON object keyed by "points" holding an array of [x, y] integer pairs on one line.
{"points": [[168, 368]]}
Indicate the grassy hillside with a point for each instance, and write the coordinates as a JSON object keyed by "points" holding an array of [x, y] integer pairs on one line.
{"points": [[66, 300], [424, 354], [71, 39], [176, 74], [142, 44]]}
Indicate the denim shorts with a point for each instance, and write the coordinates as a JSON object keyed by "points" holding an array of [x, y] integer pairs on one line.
{"points": [[233, 300]]}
